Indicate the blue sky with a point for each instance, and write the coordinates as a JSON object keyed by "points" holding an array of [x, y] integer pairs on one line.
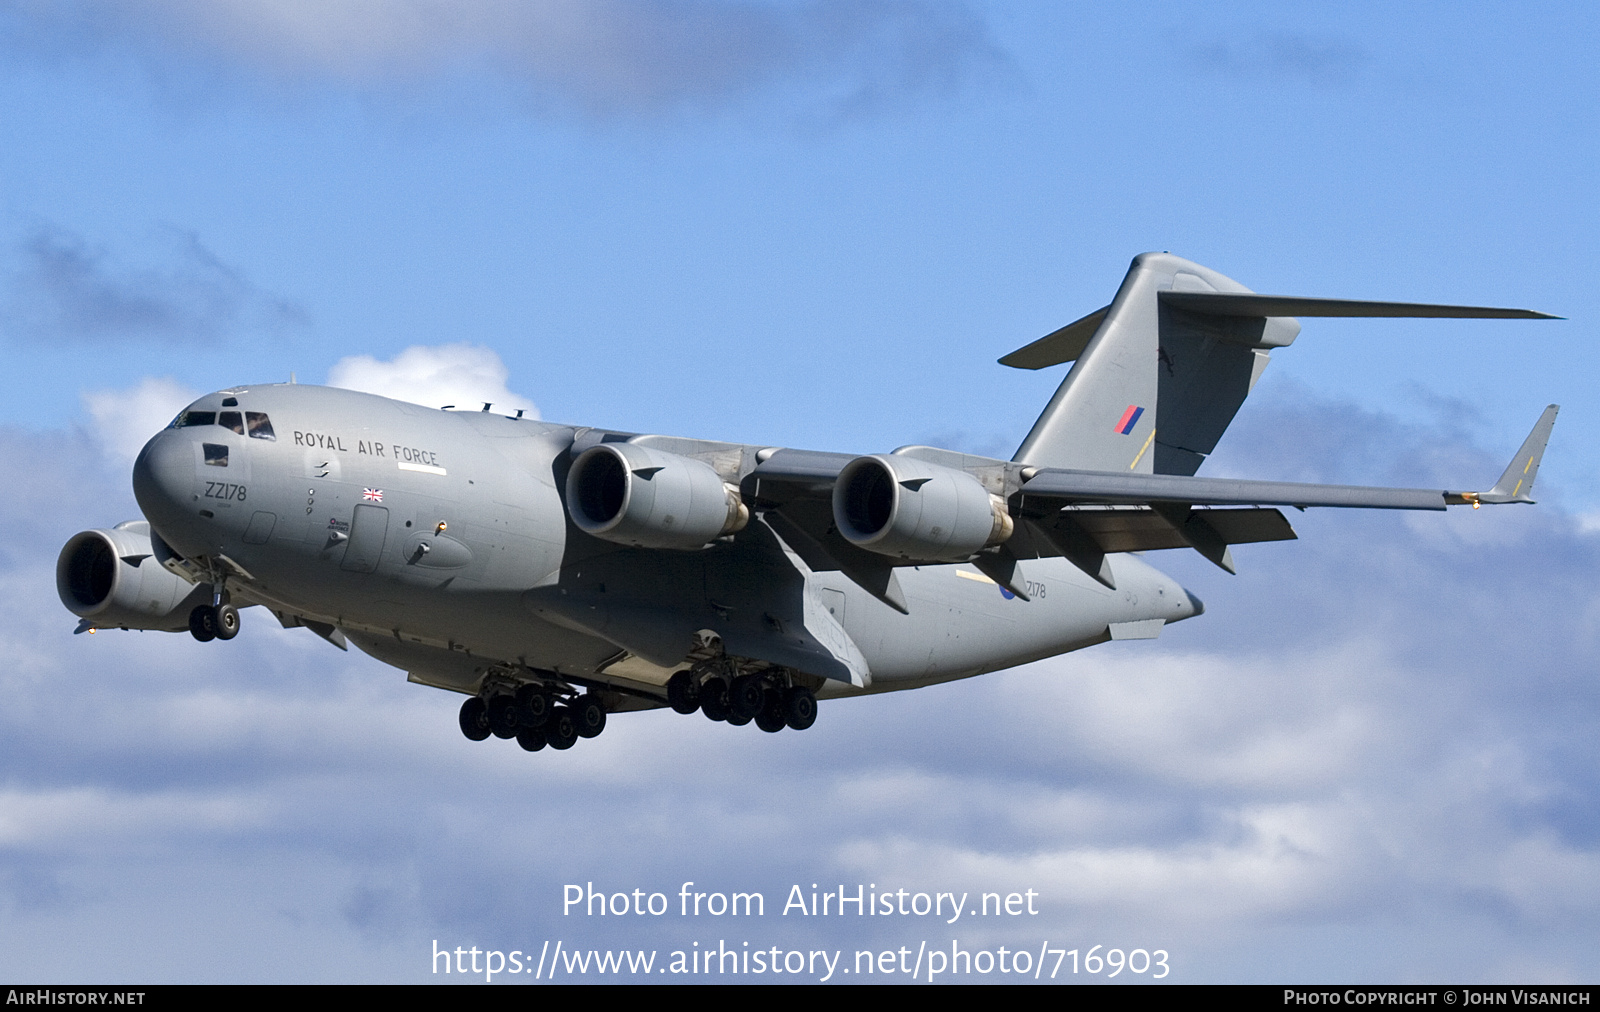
{"points": [[817, 225]]}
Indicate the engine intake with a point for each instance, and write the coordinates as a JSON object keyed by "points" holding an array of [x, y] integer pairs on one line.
{"points": [[911, 509], [115, 579], [634, 495]]}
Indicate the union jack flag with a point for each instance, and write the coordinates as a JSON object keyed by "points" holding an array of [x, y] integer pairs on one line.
{"points": [[372, 494]]}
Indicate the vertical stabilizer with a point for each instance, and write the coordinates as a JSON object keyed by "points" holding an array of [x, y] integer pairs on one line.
{"points": [[1155, 387]]}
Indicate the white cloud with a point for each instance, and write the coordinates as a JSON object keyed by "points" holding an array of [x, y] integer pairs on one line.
{"points": [[602, 57], [124, 420], [465, 375]]}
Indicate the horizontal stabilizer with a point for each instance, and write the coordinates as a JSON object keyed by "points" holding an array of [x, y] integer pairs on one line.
{"points": [[1058, 346], [1251, 304]]}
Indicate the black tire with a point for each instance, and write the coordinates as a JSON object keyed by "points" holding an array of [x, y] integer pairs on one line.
{"points": [[590, 714], [561, 730], [203, 623], [533, 705], [714, 699], [475, 719], [800, 708], [227, 622], [503, 718], [773, 716], [683, 692], [531, 738], [747, 696]]}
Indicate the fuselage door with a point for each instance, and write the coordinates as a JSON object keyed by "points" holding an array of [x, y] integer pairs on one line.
{"points": [[368, 529]]}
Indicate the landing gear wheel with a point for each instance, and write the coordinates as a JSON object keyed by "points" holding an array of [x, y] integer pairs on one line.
{"points": [[772, 717], [683, 692], [503, 719], [714, 699], [590, 714], [475, 719], [531, 738], [203, 623], [746, 696], [561, 730], [533, 705], [227, 621], [737, 721], [800, 707]]}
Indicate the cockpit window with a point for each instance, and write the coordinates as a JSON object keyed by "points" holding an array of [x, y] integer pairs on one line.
{"points": [[254, 423], [259, 425], [216, 454]]}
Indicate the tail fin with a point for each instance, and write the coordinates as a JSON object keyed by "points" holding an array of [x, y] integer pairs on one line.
{"points": [[1161, 372], [1154, 385]]}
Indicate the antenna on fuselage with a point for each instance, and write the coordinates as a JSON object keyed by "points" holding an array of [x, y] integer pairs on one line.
{"points": [[486, 405]]}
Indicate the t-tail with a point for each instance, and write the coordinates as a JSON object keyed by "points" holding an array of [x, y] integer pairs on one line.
{"points": [[1159, 374]]}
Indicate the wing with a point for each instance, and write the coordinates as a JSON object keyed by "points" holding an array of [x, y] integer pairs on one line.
{"points": [[1084, 516]]}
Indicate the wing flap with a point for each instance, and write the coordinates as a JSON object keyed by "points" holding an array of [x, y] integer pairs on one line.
{"points": [[1143, 529]]}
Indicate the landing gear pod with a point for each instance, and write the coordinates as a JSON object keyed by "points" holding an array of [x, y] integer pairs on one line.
{"points": [[112, 579], [911, 509], [648, 498]]}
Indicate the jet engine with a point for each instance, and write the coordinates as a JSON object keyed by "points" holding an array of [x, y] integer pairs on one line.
{"points": [[113, 579], [911, 509], [647, 498]]}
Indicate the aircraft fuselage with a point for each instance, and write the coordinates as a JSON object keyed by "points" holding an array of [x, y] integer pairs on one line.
{"points": [[440, 541]]}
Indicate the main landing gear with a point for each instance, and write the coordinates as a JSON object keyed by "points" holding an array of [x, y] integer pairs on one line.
{"points": [[758, 696], [214, 622], [532, 716]]}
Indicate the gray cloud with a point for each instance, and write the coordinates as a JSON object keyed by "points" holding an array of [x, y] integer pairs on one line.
{"points": [[622, 56], [1319, 60], [64, 288], [1386, 730]]}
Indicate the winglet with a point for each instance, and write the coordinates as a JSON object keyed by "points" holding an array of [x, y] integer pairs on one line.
{"points": [[1517, 481]]}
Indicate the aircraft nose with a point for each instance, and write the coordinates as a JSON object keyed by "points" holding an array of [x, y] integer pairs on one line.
{"points": [[163, 476]]}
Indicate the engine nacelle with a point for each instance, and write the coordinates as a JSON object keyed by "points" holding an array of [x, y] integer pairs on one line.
{"points": [[115, 580], [911, 509], [647, 498]]}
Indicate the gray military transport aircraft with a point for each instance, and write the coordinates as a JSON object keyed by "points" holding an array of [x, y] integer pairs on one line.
{"points": [[555, 573]]}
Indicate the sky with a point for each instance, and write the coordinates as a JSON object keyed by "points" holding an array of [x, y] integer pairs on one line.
{"points": [[817, 224]]}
